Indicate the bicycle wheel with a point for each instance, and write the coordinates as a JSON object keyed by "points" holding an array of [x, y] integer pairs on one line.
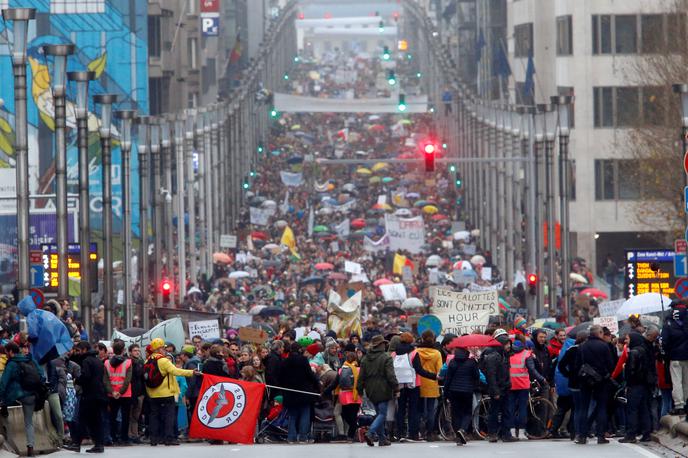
{"points": [[540, 415], [444, 422], [480, 418]]}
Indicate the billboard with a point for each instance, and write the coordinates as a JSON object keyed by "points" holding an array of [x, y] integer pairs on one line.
{"points": [[640, 278]]}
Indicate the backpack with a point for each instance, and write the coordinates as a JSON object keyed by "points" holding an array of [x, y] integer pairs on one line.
{"points": [[152, 376], [346, 378], [30, 381], [403, 369]]}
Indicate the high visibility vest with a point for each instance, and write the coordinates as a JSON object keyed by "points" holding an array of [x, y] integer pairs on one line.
{"points": [[117, 376], [520, 379]]}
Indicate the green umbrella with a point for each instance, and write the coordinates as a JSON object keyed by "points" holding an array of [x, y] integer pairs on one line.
{"points": [[420, 203], [320, 229], [387, 179]]}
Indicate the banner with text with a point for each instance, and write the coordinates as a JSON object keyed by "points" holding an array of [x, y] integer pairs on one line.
{"points": [[291, 178], [405, 233], [261, 216], [207, 329], [463, 313]]}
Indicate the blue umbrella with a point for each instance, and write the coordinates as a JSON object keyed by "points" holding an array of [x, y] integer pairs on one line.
{"points": [[45, 330], [295, 160]]}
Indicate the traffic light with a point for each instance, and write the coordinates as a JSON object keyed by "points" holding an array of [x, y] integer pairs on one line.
{"points": [[444, 145], [457, 182], [452, 168], [419, 75], [245, 184], [385, 53], [166, 290], [532, 284], [429, 151], [274, 114], [286, 77], [401, 106], [260, 148], [252, 173], [391, 78], [381, 26]]}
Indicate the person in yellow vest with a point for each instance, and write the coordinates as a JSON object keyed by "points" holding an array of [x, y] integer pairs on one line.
{"points": [[521, 370], [431, 361], [162, 389], [117, 380]]}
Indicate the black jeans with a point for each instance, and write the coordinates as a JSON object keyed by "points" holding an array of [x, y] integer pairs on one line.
{"points": [[119, 432], [497, 407], [350, 416], [163, 412], [599, 394], [564, 404], [461, 409], [90, 416], [638, 415]]}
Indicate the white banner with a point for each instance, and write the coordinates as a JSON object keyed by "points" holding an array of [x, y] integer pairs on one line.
{"points": [[344, 318], [609, 308], [169, 330], [609, 322], [373, 247], [291, 178], [343, 208], [393, 292], [207, 329], [463, 313], [260, 216], [352, 267], [405, 233], [476, 288], [343, 229]]}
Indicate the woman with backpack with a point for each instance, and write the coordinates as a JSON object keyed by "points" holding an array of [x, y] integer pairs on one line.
{"points": [[344, 386], [23, 382]]}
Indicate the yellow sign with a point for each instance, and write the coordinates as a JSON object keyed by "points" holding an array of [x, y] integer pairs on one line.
{"points": [[402, 45]]}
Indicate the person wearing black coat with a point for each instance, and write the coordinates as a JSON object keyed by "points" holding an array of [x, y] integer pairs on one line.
{"points": [[640, 381], [296, 373], [495, 365], [543, 359], [595, 352], [138, 391], [215, 364], [272, 364], [461, 381], [93, 400], [675, 345]]}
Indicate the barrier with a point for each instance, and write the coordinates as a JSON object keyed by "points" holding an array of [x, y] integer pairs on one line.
{"points": [[46, 439], [673, 433]]}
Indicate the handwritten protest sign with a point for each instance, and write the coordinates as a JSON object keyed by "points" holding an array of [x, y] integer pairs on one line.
{"points": [[207, 329], [463, 313], [609, 308], [253, 335], [608, 322], [405, 233]]}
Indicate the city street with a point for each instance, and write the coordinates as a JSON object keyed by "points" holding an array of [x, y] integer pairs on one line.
{"points": [[560, 449]]}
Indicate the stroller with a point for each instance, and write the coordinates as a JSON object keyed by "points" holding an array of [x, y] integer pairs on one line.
{"points": [[324, 427], [274, 431], [365, 418]]}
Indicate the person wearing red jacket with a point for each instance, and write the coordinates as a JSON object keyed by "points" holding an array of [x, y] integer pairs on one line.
{"points": [[557, 342]]}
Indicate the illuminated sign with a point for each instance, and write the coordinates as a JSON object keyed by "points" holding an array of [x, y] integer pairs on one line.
{"points": [[640, 278], [50, 259]]}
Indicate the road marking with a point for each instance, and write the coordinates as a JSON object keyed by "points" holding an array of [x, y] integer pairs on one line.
{"points": [[640, 449]]}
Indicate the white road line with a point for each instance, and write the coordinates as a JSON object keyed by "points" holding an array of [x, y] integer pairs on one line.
{"points": [[641, 450]]}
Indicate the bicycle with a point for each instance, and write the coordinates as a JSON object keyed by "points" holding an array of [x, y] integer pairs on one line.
{"points": [[444, 421]]}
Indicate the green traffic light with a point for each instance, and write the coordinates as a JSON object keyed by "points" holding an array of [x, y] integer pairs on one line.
{"points": [[419, 75], [260, 148], [452, 168], [444, 146], [401, 107], [392, 81], [252, 174], [245, 185], [296, 59], [273, 113], [458, 182], [286, 77], [386, 56]]}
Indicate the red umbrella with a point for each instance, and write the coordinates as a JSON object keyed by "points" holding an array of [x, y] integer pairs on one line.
{"points": [[376, 128], [474, 340], [438, 217], [337, 276], [594, 292], [324, 266], [259, 235], [382, 281], [358, 223]]}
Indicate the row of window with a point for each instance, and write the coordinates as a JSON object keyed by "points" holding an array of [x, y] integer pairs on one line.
{"points": [[614, 34], [614, 179], [630, 106]]}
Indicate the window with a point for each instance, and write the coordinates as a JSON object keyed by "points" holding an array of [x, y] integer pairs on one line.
{"points": [[676, 32], [568, 91], [614, 179], [564, 36], [154, 36], [652, 33], [523, 39], [77, 6], [654, 103], [626, 34], [603, 108], [629, 106], [602, 34], [191, 45]]}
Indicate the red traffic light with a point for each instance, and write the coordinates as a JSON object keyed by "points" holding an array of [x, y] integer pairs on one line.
{"points": [[166, 286], [429, 148], [532, 279]]}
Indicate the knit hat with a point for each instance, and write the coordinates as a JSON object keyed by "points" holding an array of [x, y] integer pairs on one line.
{"points": [[517, 345], [305, 341], [313, 349], [330, 342], [501, 335], [189, 350], [157, 344], [279, 399], [519, 322], [349, 347]]}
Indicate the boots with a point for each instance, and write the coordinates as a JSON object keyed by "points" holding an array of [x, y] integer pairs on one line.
{"points": [[29, 450]]}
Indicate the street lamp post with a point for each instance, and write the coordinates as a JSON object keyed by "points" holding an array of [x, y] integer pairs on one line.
{"points": [[166, 156], [539, 139], [58, 82], [105, 101], [550, 136], [81, 112], [20, 18], [127, 117], [181, 223], [144, 191], [189, 131], [156, 217]]}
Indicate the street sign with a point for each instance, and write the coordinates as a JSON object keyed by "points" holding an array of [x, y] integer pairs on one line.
{"points": [[50, 259], [680, 262], [35, 257], [685, 198], [37, 296], [685, 162], [228, 241], [681, 287], [639, 278], [37, 272]]}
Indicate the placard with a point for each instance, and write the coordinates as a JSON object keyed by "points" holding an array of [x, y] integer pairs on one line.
{"points": [[238, 320], [171, 330], [253, 335], [393, 292], [463, 313], [206, 329], [405, 233], [260, 216], [228, 241], [609, 308], [352, 267], [609, 322]]}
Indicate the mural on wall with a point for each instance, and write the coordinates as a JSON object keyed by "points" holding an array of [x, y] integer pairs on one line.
{"points": [[111, 40]]}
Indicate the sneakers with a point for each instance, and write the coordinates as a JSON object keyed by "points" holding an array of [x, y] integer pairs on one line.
{"points": [[628, 440], [602, 440], [461, 437], [492, 438], [581, 440], [72, 448], [369, 440], [384, 443]]}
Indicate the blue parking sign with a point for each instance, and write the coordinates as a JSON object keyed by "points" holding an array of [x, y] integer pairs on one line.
{"points": [[37, 273]]}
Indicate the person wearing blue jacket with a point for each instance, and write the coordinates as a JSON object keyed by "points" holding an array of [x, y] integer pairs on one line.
{"points": [[564, 397]]}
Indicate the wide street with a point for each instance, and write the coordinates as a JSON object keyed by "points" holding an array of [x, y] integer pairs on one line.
{"points": [[481, 449]]}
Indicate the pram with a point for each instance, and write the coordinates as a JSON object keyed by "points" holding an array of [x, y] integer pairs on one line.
{"points": [[324, 427], [365, 418], [275, 430]]}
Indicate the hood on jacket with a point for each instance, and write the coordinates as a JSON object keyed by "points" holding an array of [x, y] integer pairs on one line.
{"points": [[117, 360], [376, 353], [26, 305], [635, 340], [534, 337], [426, 352], [461, 354], [403, 348]]}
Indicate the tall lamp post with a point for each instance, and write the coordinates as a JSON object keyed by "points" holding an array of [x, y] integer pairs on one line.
{"points": [[58, 81], [105, 101], [682, 90], [20, 18], [127, 117], [550, 136], [144, 186], [82, 79], [563, 104], [539, 139]]}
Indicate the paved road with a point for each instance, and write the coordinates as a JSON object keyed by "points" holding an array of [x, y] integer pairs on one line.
{"points": [[523, 449]]}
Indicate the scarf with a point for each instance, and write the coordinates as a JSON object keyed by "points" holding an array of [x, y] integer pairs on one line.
{"points": [[355, 370]]}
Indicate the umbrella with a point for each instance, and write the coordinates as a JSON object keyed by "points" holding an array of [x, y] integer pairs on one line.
{"points": [[478, 260], [295, 160], [312, 281], [272, 311], [221, 258], [405, 122], [438, 217], [296, 127], [420, 203], [376, 128], [462, 235], [581, 327], [324, 266], [386, 207], [434, 261], [373, 180], [391, 309], [578, 278], [325, 211], [382, 281], [133, 332], [239, 274], [643, 304], [256, 309], [387, 179], [363, 171], [361, 153], [462, 265], [349, 187], [379, 166], [403, 212], [269, 204], [412, 303], [271, 247], [430, 209], [412, 195], [259, 235], [280, 224], [320, 228], [192, 290], [358, 223], [474, 340], [594, 292]]}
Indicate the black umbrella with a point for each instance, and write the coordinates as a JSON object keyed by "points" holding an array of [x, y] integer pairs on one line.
{"points": [[272, 311], [295, 160], [581, 327], [133, 332], [391, 309], [312, 281]]}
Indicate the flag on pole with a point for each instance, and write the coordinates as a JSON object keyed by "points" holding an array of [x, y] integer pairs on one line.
{"points": [[501, 67], [529, 84], [227, 409], [399, 262], [289, 241], [479, 45], [236, 51]]}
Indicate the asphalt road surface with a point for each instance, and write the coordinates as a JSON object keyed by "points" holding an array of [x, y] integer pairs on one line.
{"points": [[481, 449]]}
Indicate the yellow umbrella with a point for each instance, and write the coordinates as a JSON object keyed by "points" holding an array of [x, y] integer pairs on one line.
{"points": [[363, 171], [374, 180], [430, 209], [296, 127], [379, 166], [330, 186]]}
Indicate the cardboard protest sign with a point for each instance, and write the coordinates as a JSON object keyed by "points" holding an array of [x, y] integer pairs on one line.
{"points": [[464, 313], [253, 335]]}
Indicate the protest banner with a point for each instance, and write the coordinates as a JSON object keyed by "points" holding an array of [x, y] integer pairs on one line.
{"points": [[393, 292], [171, 330], [344, 318], [238, 320], [609, 322], [253, 335], [206, 329], [374, 246], [463, 313], [405, 233], [609, 308], [343, 229], [352, 267], [260, 216], [291, 178]]}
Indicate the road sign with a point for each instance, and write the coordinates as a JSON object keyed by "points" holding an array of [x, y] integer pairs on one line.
{"points": [[37, 296], [37, 272], [681, 287], [228, 241], [685, 198], [680, 262], [35, 257], [639, 277], [685, 162]]}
